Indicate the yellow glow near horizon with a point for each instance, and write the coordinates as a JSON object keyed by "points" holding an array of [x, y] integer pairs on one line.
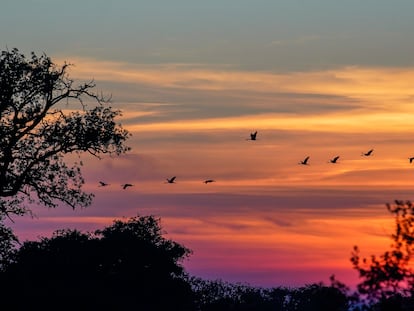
{"points": [[321, 241], [344, 123], [321, 237]]}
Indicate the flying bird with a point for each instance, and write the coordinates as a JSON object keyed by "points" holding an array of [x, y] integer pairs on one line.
{"points": [[124, 186], [103, 184], [171, 180], [253, 136], [411, 159], [305, 161], [207, 181], [334, 160], [367, 154]]}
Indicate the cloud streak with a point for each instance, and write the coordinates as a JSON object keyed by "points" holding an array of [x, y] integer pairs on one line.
{"points": [[348, 99], [264, 210], [354, 82]]}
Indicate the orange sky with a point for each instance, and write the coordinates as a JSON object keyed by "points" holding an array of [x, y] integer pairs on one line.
{"points": [[266, 220]]}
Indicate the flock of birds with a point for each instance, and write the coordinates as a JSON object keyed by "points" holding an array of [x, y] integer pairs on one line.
{"points": [[169, 181], [253, 136]]}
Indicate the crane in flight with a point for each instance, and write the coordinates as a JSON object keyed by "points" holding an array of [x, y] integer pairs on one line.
{"points": [[305, 161], [253, 136], [368, 153], [103, 184], [334, 160], [171, 180], [124, 186], [411, 159], [207, 181]]}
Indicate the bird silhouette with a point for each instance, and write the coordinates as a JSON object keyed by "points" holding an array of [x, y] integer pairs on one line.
{"points": [[103, 184], [253, 136], [368, 153], [207, 181], [411, 159], [305, 161], [171, 180], [334, 160], [124, 186]]}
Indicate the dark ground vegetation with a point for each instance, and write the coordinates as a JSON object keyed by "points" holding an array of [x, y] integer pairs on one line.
{"points": [[130, 265]]}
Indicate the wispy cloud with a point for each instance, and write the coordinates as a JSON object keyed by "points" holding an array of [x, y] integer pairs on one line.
{"points": [[349, 99], [353, 82], [265, 209]]}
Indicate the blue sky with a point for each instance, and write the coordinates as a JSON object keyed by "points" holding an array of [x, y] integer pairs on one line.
{"points": [[259, 35]]}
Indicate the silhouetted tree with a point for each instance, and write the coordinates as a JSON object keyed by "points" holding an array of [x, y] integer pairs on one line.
{"points": [[219, 295], [8, 243], [39, 125], [128, 265], [388, 279], [317, 297]]}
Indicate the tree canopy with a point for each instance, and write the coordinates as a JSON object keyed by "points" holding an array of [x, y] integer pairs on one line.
{"points": [[131, 265], [127, 264], [388, 276], [45, 115]]}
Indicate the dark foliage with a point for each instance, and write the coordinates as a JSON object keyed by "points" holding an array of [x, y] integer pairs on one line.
{"points": [[39, 124], [126, 265], [388, 280], [8, 243], [130, 265], [219, 295]]}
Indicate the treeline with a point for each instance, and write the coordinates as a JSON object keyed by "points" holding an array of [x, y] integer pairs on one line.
{"points": [[130, 265]]}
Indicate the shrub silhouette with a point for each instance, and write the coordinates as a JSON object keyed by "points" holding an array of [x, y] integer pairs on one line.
{"points": [[387, 280], [126, 265], [219, 295]]}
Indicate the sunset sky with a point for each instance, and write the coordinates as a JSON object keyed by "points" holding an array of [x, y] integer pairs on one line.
{"points": [[317, 78]]}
